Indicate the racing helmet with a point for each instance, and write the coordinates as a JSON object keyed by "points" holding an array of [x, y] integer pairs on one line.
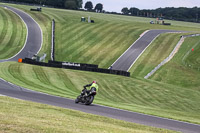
{"points": [[94, 82]]}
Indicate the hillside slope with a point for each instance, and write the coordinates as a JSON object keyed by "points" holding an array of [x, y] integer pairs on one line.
{"points": [[102, 43], [12, 33], [117, 91], [99, 43], [184, 69]]}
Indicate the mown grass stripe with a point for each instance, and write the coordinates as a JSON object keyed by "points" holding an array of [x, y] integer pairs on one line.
{"points": [[110, 45], [14, 35], [69, 27], [45, 79], [108, 39], [5, 28], [89, 43], [67, 81], [92, 46], [69, 45], [106, 92], [96, 44], [2, 21], [11, 44], [148, 61], [119, 93], [117, 49], [34, 82], [54, 16], [71, 34], [76, 35], [144, 98], [45, 23], [116, 91]]}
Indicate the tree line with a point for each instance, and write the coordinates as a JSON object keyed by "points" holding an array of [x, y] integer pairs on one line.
{"points": [[180, 14], [68, 4], [89, 7]]}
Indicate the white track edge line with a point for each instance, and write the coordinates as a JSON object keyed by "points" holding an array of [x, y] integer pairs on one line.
{"points": [[147, 47], [39, 27], [142, 52], [149, 115], [112, 64], [100, 105], [131, 45], [27, 33]]}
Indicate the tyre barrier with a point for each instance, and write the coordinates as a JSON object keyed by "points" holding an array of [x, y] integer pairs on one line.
{"points": [[76, 66]]}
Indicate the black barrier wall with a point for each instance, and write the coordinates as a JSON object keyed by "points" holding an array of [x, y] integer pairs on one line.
{"points": [[76, 66]]}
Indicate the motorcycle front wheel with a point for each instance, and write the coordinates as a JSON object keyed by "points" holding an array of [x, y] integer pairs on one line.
{"points": [[77, 99]]}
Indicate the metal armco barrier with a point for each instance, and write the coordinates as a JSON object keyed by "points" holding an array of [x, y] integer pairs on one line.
{"points": [[76, 66], [53, 40]]}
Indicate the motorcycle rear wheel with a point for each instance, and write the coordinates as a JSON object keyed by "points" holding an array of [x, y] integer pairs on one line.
{"points": [[90, 100]]}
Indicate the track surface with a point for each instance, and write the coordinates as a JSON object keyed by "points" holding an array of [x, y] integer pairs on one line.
{"points": [[33, 44], [129, 57], [34, 36], [21, 93]]}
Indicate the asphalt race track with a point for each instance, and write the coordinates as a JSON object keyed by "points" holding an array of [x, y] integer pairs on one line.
{"points": [[34, 36], [125, 61], [25, 94], [33, 44]]}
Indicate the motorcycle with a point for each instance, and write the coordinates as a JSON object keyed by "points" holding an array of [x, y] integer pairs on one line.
{"points": [[87, 99]]}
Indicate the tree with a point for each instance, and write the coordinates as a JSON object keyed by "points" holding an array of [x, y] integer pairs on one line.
{"points": [[79, 3], [99, 7], [71, 4], [57, 3], [134, 11], [125, 11], [88, 5]]}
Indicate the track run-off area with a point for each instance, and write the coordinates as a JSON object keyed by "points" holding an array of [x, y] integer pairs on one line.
{"points": [[33, 44]]}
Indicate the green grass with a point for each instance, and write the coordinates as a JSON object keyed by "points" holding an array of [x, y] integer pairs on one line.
{"points": [[117, 91], [12, 34], [99, 43], [184, 69], [170, 93], [155, 54], [45, 23], [23, 116]]}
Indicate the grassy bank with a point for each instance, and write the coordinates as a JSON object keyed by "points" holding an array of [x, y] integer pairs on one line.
{"points": [[99, 43], [170, 93], [155, 54], [22, 116], [12, 33], [138, 95], [184, 69]]}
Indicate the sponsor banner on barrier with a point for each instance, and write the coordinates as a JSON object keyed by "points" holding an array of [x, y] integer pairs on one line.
{"points": [[71, 64], [76, 66]]}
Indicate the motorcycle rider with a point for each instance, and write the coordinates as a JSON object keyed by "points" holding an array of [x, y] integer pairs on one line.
{"points": [[93, 86]]}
